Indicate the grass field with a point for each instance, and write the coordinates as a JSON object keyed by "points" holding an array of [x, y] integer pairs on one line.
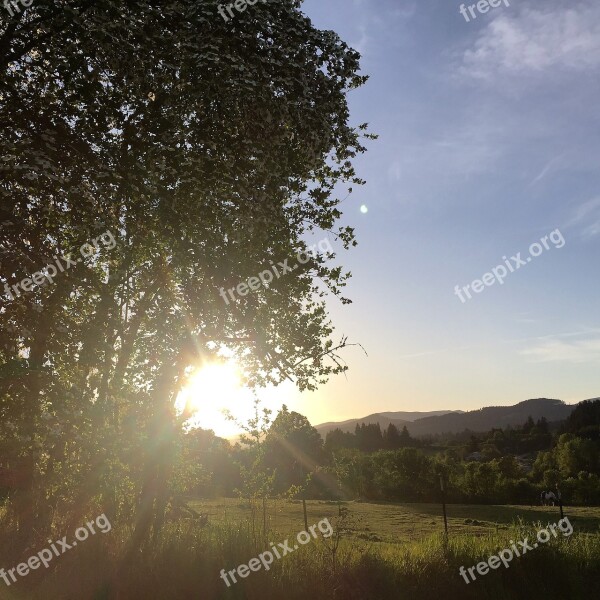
{"points": [[398, 551], [399, 523], [386, 552]]}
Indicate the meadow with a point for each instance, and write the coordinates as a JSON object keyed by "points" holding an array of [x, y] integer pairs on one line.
{"points": [[397, 523], [378, 551]]}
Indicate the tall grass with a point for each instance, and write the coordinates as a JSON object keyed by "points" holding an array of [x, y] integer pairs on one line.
{"points": [[185, 562]]}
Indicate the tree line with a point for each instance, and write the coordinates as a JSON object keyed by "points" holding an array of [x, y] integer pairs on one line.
{"points": [[509, 465]]}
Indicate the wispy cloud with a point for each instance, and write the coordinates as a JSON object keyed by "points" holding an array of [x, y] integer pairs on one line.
{"points": [[525, 319], [430, 352], [536, 41], [581, 351], [546, 169], [406, 10], [563, 347], [395, 171], [363, 43], [548, 347], [587, 215]]}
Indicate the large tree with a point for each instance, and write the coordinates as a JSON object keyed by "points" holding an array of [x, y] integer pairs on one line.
{"points": [[209, 150], [294, 449]]}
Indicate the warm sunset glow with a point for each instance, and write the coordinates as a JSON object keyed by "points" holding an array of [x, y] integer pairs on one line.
{"points": [[212, 389]]}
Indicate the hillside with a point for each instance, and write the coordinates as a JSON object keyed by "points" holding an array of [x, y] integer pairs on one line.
{"points": [[482, 419], [398, 418]]}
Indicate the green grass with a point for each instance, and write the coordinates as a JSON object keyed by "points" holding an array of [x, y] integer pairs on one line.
{"points": [[400, 523], [387, 551]]}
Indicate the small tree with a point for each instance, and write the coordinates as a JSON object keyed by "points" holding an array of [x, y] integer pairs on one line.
{"points": [[257, 478], [257, 483]]}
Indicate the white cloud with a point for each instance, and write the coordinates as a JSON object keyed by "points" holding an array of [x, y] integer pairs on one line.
{"points": [[405, 11], [546, 169], [362, 44], [536, 41], [580, 351], [588, 215]]}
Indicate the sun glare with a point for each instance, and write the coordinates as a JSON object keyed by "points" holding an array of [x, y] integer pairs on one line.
{"points": [[210, 390]]}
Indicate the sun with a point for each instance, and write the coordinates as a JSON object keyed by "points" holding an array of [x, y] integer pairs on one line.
{"points": [[210, 390]]}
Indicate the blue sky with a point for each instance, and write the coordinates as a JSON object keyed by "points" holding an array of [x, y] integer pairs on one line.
{"points": [[489, 140]]}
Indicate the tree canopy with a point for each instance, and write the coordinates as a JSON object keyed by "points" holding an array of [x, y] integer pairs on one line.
{"points": [[209, 150]]}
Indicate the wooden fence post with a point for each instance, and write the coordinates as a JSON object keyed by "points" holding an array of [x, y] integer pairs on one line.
{"points": [[305, 515], [560, 504], [442, 487]]}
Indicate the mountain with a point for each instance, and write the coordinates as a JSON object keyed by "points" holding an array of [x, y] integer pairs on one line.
{"points": [[398, 418], [479, 420], [413, 416], [494, 416]]}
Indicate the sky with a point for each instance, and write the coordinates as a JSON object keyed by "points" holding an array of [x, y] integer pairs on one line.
{"points": [[488, 142]]}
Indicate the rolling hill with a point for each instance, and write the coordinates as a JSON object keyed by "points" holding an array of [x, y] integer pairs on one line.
{"points": [[398, 418], [479, 420]]}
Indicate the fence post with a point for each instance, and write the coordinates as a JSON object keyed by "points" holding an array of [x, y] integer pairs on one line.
{"points": [[442, 487], [305, 515], [560, 504]]}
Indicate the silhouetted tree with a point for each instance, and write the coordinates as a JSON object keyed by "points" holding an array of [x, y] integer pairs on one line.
{"points": [[368, 437], [542, 426], [528, 425], [585, 420], [391, 437], [294, 449], [337, 439], [405, 439]]}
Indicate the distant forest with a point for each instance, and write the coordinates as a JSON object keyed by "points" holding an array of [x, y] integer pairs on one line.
{"points": [[287, 457]]}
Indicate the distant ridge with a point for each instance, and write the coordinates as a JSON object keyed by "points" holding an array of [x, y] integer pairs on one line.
{"points": [[483, 419], [413, 416], [383, 418]]}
